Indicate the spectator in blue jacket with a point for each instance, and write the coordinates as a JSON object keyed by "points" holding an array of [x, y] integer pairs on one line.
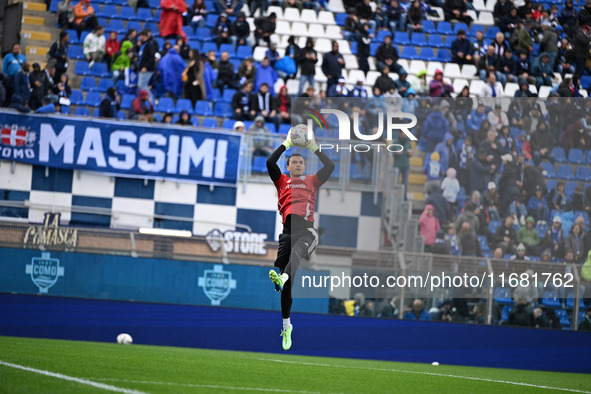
{"points": [[461, 49], [480, 168], [474, 120], [171, 68], [47, 106], [435, 128], [13, 61], [22, 86], [447, 152], [265, 74], [417, 312], [537, 207], [543, 71]]}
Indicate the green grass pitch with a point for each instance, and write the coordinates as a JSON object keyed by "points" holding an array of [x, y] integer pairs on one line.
{"points": [[156, 369]]}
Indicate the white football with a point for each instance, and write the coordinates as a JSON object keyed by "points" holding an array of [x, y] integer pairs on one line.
{"points": [[299, 135], [124, 339]]}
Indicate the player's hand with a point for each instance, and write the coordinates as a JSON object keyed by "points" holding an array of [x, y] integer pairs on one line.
{"points": [[287, 143], [312, 144]]}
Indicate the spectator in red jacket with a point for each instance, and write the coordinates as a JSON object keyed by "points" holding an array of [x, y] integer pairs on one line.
{"points": [[111, 47], [171, 19]]}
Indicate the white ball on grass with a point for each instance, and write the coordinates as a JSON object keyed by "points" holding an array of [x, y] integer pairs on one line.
{"points": [[124, 339], [434, 363]]}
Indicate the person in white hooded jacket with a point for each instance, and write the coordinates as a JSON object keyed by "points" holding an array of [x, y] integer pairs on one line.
{"points": [[94, 46]]}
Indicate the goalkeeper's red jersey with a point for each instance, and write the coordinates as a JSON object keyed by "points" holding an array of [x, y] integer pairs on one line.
{"points": [[297, 196]]}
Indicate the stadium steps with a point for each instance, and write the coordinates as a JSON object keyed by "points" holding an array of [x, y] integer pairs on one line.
{"points": [[34, 5], [33, 20]]}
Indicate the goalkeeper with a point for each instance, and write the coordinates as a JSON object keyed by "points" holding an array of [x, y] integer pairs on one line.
{"points": [[296, 201]]}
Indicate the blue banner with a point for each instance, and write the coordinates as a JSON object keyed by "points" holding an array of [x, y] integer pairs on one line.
{"points": [[134, 150]]}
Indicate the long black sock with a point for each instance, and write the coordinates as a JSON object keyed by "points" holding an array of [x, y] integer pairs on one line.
{"points": [[286, 299]]}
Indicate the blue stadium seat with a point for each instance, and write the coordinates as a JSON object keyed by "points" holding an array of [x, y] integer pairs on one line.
{"points": [[87, 84], [401, 38], [108, 12], [581, 317], [228, 95], [271, 127], [461, 26], [66, 110], [444, 56], [492, 32], [474, 28], [157, 117], [126, 13], [259, 164], [189, 32], [419, 39], [100, 70], [53, 6], [588, 155], [76, 98], [144, 14], [429, 27], [121, 115], [444, 28], [165, 104], [427, 54], [153, 27], [340, 18], [211, 20], [126, 101], [216, 96], [563, 315], [204, 34], [223, 110], [576, 156], [435, 41], [373, 48], [184, 105], [154, 3], [409, 53], [76, 52], [203, 108], [95, 113], [551, 184], [502, 295], [549, 168], [585, 81], [243, 52], [104, 84], [483, 243], [193, 44], [227, 48], [284, 129], [583, 173], [195, 121], [210, 46], [550, 299], [541, 230], [81, 68], [356, 173], [493, 225], [570, 301], [565, 171], [382, 34], [228, 124], [505, 313], [116, 25], [93, 99], [135, 25], [157, 16], [210, 122]]}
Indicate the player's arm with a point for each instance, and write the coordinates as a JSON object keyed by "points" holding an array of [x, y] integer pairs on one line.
{"points": [[328, 165], [272, 167]]}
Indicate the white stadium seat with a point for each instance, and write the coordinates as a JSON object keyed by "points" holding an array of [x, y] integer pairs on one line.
{"points": [[316, 30], [326, 18], [439, 17], [476, 87], [322, 45], [292, 14], [354, 75], [292, 86], [319, 77], [486, 18], [433, 66], [336, 6], [370, 78], [452, 70], [544, 91], [490, 5], [404, 64], [259, 53], [479, 5], [309, 16], [351, 61], [277, 10], [344, 47], [469, 71], [282, 27], [459, 84], [510, 89], [333, 32], [299, 29], [416, 66]]}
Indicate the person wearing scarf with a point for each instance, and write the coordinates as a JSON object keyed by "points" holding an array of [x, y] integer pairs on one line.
{"points": [[265, 105]]}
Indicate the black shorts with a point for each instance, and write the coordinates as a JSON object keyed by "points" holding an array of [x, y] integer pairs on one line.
{"points": [[304, 242]]}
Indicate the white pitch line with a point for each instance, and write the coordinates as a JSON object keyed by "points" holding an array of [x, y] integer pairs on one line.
{"points": [[430, 373], [71, 378], [209, 386]]}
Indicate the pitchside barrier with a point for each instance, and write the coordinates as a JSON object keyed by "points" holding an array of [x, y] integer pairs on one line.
{"points": [[314, 334]]}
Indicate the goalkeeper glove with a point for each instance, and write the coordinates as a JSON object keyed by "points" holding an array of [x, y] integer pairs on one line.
{"points": [[312, 144], [287, 143]]}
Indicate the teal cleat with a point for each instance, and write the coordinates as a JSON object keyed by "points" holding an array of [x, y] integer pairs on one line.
{"points": [[276, 279], [286, 334]]}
